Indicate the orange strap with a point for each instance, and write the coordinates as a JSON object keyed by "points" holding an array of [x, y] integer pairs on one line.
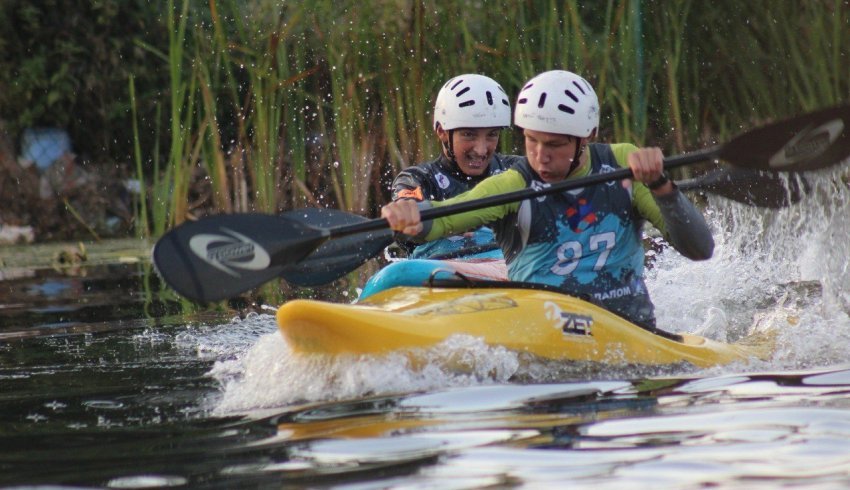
{"points": [[410, 194]]}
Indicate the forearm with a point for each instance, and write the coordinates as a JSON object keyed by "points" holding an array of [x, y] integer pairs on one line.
{"points": [[458, 223], [685, 227]]}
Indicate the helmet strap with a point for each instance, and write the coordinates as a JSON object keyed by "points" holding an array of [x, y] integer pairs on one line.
{"points": [[449, 147], [577, 158]]}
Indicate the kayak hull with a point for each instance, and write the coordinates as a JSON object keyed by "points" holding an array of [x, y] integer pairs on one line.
{"points": [[542, 323]]}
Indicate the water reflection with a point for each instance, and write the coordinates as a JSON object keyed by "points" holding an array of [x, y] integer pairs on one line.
{"points": [[142, 404]]}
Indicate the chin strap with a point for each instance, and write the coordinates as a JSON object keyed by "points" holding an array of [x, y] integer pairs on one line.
{"points": [[449, 148], [576, 159]]}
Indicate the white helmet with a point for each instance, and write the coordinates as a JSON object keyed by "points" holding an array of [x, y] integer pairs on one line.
{"points": [[472, 101], [558, 102]]}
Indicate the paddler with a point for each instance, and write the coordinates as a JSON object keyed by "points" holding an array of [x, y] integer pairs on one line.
{"points": [[470, 113], [587, 242]]}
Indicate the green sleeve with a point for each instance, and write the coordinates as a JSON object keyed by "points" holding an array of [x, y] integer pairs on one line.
{"points": [[507, 181], [644, 202], [678, 220]]}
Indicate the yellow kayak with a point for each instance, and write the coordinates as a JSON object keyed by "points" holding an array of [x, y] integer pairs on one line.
{"points": [[540, 322]]}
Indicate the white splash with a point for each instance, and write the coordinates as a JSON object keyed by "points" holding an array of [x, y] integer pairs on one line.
{"points": [[269, 374], [784, 271]]}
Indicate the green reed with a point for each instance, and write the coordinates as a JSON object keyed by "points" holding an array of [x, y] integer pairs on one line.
{"points": [[404, 90], [171, 192], [257, 96], [763, 60], [671, 38], [212, 152], [141, 209], [211, 78], [164, 202], [811, 41], [295, 124], [265, 145], [621, 86]]}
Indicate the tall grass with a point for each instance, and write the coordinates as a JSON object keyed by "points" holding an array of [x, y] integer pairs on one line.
{"points": [[140, 208], [171, 193], [165, 199], [671, 31], [275, 105]]}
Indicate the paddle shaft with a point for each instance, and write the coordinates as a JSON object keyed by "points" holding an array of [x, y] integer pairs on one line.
{"points": [[527, 193]]}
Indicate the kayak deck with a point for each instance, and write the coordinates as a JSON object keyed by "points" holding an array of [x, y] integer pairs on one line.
{"points": [[423, 272], [543, 323]]}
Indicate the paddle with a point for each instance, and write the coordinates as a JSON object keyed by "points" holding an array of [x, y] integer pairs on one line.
{"points": [[334, 258], [752, 187], [220, 256]]}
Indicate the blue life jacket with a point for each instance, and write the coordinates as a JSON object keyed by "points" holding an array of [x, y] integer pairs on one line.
{"points": [[587, 241]]}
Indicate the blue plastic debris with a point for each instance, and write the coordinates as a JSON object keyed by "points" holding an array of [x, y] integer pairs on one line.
{"points": [[44, 145]]}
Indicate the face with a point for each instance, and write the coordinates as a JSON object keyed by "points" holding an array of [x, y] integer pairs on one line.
{"points": [[550, 154], [473, 147]]}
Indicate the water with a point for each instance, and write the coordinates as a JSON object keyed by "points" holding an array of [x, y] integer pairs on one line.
{"points": [[104, 385]]}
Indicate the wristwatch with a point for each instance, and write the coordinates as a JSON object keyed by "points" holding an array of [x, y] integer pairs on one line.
{"points": [[661, 180]]}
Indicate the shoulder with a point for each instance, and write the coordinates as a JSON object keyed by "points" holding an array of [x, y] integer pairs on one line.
{"points": [[409, 177], [415, 175], [504, 162], [411, 183], [521, 169]]}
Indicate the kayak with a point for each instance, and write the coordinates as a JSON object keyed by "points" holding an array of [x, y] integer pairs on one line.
{"points": [[531, 319]]}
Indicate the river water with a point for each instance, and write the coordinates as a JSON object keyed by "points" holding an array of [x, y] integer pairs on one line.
{"points": [[106, 382]]}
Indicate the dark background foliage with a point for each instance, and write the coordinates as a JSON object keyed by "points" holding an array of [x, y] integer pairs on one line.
{"points": [[65, 63]]}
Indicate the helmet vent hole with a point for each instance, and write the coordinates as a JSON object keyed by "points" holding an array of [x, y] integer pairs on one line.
{"points": [[579, 87], [522, 101], [542, 101], [472, 101], [570, 95], [568, 110]]}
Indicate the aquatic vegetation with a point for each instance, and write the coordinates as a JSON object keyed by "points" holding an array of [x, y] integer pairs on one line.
{"points": [[268, 106]]}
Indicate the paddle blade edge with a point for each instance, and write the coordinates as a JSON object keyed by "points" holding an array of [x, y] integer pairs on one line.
{"points": [[812, 141], [222, 256]]}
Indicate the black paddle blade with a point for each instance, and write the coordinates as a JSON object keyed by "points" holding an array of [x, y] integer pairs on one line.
{"points": [[810, 142], [334, 258], [221, 256], [752, 187]]}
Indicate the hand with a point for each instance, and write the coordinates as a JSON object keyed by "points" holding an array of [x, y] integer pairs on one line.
{"points": [[647, 165], [403, 216]]}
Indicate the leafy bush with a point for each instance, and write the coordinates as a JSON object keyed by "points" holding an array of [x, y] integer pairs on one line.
{"points": [[65, 63]]}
